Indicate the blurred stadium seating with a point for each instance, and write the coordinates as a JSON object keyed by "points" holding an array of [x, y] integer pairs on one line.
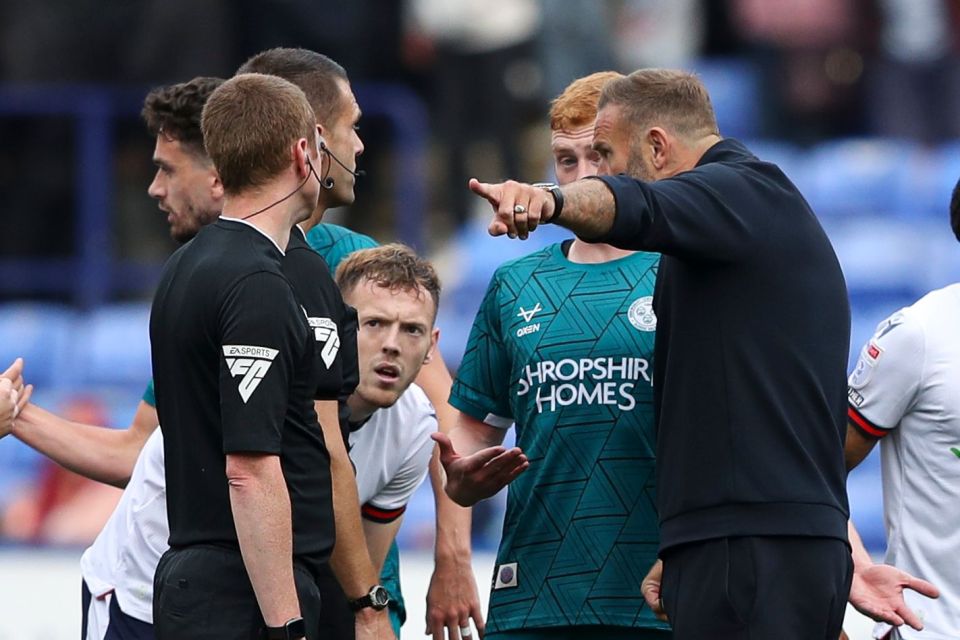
{"points": [[883, 203]]}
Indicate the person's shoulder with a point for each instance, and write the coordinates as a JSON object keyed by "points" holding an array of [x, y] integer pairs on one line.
{"points": [[299, 253], [938, 300], [325, 234], [526, 264], [236, 245], [936, 311]]}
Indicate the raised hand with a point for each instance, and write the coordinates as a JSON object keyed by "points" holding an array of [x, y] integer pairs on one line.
{"points": [[518, 208], [480, 475], [8, 406]]}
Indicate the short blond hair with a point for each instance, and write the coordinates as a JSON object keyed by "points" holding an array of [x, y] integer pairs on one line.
{"points": [[249, 124], [393, 266], [669, 98], [576, 107]]}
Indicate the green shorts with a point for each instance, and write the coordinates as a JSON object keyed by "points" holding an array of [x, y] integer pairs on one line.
{"points": [[390, 579], [583, 632]]}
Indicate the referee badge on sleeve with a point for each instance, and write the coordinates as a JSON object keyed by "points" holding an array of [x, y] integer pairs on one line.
{"points": [[325, 333], [249, 361]]}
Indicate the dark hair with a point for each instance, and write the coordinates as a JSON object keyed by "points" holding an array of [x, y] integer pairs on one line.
{"points": [[249, 125], [313, 72], [393, 266], [672, 99], [175, 110], [955, 211]]}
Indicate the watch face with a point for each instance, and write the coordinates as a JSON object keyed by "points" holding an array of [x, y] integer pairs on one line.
{"points": [[379, 597]]}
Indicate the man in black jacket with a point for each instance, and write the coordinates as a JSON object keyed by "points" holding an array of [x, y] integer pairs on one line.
{"points": [[752, 340]]}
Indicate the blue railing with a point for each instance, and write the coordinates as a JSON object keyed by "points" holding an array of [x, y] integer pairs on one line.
{"points": [[94, 274]]}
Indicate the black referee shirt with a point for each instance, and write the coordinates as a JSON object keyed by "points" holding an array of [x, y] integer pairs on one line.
{"points": [[312, 282], [753, 331], [235, 370]]}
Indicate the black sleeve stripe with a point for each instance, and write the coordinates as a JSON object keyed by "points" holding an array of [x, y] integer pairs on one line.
{"points": [[863, 425], [382, 516]]}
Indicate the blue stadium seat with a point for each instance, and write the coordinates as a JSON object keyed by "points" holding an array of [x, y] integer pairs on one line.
{"points": [[115, 347], [860, 177], [932, 179], [734, 86], [790, 158], [477, 256], [44, 335]]}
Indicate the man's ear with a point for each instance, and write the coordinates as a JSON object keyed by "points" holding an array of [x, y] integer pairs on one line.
{"points": [[434, 340], [216, 187], [659, 143]]}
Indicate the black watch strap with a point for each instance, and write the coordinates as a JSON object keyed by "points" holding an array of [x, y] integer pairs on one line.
{"points": [[292, 629], [378, 598], [557, 198]]}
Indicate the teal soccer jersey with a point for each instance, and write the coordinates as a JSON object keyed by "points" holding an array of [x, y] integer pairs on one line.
{"points": [[334, 243], [564, 351]]}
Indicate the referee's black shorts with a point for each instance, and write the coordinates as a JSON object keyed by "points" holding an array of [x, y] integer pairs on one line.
{"points": [[204, 592], [757, 587]]}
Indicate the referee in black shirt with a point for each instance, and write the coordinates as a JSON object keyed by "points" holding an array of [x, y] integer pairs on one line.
{"points": [[248, 488], [750, 360]]}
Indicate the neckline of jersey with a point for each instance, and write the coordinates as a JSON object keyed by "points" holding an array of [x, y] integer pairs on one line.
{"points": [[556, 251], [257, 229]]}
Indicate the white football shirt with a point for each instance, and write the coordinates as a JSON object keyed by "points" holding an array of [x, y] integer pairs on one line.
{"points": [[392, 452], [905, 388], [124, 556]]}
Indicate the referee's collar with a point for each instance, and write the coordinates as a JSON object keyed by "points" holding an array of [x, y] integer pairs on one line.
{"points": [[258, 230]]}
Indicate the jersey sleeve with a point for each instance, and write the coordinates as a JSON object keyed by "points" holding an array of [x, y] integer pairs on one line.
{"points": [[335, 243], [390, 503], [885, 381], [263, 335], [686, 215], [350, 368], [149, 395], [480, 388]]}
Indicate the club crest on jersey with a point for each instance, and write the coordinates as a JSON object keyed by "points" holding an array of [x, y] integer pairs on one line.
{"points": [[865, 365], [641, 314], [506, 576], [325, 332], [251, 362]]}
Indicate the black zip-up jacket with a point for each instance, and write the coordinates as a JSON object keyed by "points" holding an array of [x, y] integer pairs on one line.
{"points": [[753, 331]]}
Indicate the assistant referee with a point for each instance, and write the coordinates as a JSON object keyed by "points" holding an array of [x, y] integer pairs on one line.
{"points": [[233, 369]]}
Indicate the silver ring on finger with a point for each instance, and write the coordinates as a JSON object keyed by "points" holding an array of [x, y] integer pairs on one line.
{"points": [[465, 632], [519, 208]]}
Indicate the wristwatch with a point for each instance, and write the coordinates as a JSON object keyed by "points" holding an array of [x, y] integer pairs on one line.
{"points": [[292, 629], [557, 198], [378, 599]]}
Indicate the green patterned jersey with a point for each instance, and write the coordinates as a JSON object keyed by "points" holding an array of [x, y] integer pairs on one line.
{"points": [[564, 351], [334, 243]]}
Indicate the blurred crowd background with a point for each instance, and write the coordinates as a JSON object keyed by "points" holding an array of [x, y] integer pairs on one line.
{"points": [[858, 101]]}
